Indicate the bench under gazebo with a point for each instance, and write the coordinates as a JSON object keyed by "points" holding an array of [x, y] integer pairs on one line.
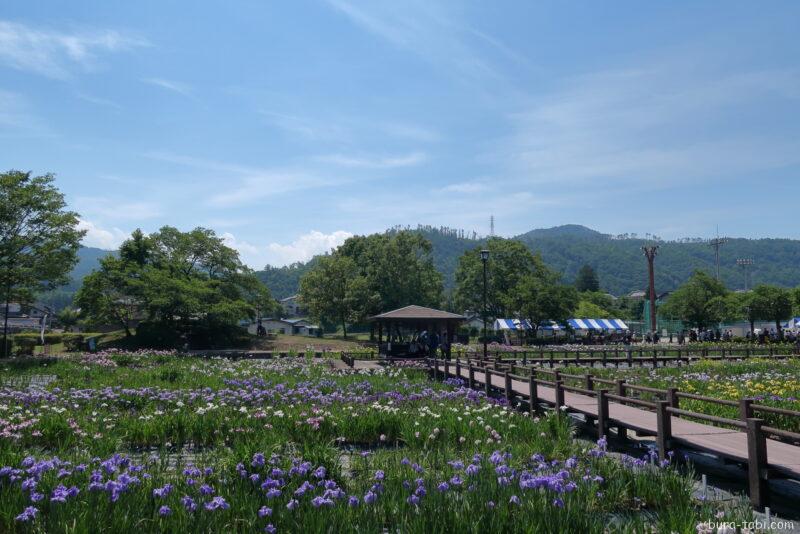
{"points": [[415, 331]]}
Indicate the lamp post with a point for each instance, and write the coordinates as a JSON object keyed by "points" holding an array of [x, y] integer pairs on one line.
{"points": [[484, 259]]}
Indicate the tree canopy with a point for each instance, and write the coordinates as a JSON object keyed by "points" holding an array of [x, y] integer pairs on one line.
{"points": [[700, 301], [587, 280], [39, 238], [771, 303], [180, 284]]}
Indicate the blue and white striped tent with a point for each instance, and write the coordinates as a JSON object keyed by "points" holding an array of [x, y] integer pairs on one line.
{"points": [[524, 324], [511, 324], [597, 324], [794, 322]]}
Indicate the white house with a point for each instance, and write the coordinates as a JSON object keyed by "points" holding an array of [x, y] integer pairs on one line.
{"points": [[296, 327]]}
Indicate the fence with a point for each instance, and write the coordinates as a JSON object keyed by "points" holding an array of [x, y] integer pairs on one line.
{"points": [[754, 451]]}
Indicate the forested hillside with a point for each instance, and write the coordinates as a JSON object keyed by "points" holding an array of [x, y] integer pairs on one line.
{"points": [[617, 260]]}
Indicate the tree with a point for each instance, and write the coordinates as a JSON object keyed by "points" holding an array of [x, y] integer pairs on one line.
{"points": [[68, 317], [39, 238], [510, 262], [739, 306], [334, 291], [772, 303], [541, 297], [587, 279], [700, 301], [397, 267], [590, 310], [180, 284]]}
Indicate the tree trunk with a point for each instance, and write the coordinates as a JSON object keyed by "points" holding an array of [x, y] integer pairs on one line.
{"points": [[778, 329], [344, 327]]}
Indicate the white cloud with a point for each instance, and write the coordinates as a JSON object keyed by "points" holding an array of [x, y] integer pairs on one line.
{"points": [[306, 247], [466, 187], [303, 248], [371, 162], [100, 237], [53, 53], [170, 85]]}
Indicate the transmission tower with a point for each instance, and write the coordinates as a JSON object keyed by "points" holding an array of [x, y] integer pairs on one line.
{"points": [[716, 243], [491, 225], [745, 264], [650, 253]]}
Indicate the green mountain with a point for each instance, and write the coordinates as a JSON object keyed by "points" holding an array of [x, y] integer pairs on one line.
{"points": [[618, 260]]}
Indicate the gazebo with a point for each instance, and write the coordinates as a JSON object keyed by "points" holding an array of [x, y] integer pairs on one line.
{"points": [[416, 331]]}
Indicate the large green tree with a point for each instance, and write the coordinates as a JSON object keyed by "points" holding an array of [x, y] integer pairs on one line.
{"points": [[587, 280], [336, 292], [772, 303], [739, 307], [39, 238], [180, 284], [398, 268], [510, 262], [700, 301], [541, 297]]}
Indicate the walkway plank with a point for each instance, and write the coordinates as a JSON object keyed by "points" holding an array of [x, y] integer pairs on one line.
{"points": [[732, 444]]}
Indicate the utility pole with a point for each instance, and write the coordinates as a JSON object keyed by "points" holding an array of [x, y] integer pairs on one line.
{"points": [[745, 264], [716, 243], [484, 259], [650, 253], [491, 225]]}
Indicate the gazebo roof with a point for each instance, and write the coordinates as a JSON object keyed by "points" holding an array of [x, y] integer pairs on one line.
{"points": [[414, 312]]}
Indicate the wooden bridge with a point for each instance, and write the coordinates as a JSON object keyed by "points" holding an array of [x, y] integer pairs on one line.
{"points": [[767, 451]]}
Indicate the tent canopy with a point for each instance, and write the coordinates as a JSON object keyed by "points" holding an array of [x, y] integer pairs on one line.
{"points": [[792, 323], [523, 324], [597, 324]]}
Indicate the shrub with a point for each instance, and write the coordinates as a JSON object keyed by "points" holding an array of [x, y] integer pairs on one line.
{"points": [[73, 342]]}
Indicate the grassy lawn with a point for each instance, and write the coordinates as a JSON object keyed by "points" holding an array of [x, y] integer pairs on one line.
{"points": [[285, 342]]}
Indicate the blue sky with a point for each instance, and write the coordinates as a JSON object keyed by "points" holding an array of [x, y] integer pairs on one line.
{"points": [[287, 126]]}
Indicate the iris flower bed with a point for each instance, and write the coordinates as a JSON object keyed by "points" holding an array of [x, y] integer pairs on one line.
{"points": [[160, 443], [769, 382]]}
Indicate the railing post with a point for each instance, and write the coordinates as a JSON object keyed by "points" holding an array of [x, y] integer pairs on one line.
{"points": [[471, 376], [435, 369], [446, 368], [458, 368], [588, 381], [605, 359], [672, 399], [556, 375], [663, 418], [507, 387], [524, 358], [559, 395], [757, 464], [551, 359], [622, 432], [533, 389], [655, 359], [487, 379], [602, 413], [745, 409]]}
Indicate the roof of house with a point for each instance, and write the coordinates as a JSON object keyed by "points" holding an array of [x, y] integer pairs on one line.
{"points": [[287, 299], [418, 312]]}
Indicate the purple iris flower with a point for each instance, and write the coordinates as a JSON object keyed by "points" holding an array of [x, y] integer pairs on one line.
{"points": [[164, 511], [27, 514], [264, 511]]}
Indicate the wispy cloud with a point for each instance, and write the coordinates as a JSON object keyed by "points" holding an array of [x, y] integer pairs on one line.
{"points": [[117, 209], [54, 53], [171, 85], [371, 162], [239, 185], [466, 187], [17, 118], [434, 34], [650, 127]]}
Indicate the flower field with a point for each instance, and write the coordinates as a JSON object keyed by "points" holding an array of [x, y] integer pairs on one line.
{"points": [[769, 382], [154, 442]]}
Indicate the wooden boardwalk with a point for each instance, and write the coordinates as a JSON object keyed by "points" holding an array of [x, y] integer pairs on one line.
{"points": [[734, 444]]}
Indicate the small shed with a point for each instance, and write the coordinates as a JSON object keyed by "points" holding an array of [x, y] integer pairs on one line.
{"points": [[416, 331]]}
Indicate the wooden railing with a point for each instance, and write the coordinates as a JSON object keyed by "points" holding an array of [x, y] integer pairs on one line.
{"points": [[665, 408], [631, 355]]}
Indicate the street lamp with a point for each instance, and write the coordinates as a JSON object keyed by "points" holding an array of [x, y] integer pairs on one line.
{"points": [[484, 259]]}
